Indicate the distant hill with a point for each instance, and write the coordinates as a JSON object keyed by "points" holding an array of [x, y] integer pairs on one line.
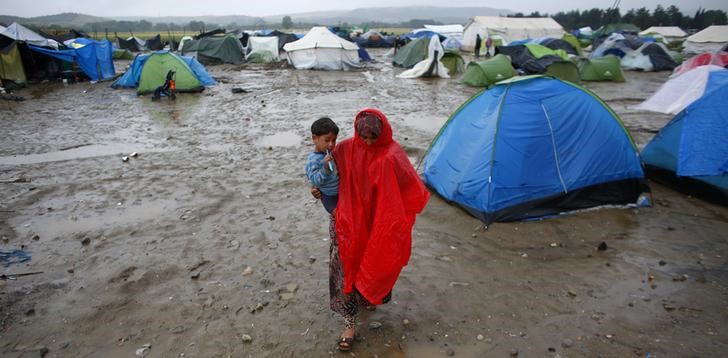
{"points": [[445, 15], [241, 20], [68, 19], [7, 19]]}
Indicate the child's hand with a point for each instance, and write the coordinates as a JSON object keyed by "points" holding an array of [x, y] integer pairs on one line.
{"points": [[315, 192]]}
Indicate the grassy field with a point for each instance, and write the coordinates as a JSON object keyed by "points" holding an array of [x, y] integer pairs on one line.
{"points": [[166, 36], [177, 35]]}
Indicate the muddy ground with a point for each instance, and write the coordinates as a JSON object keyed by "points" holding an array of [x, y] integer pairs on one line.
{"points": [[210, 234]]}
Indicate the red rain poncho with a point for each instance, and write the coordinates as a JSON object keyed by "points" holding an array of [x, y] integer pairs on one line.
{"points": [[379, 195]]}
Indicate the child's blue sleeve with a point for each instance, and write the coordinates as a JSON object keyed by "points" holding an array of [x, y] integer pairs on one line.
{"points": [[315, 172]]}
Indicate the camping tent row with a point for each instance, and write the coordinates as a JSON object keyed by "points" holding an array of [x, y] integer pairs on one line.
{"points": [[532, 59], [636, 54], [318, 49], [529, 58], [25, 54]]}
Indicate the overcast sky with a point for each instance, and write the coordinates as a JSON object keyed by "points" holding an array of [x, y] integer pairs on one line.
{"points": [[29, 8]]}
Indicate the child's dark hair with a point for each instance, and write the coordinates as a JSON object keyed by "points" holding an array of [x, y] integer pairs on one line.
{"points": [[324, 125]]}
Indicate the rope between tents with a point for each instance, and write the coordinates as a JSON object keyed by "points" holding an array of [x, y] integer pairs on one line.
{"points": [[553, 145]]}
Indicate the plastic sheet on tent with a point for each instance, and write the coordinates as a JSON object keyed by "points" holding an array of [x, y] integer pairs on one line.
{"points": [[678, 93], [262, 49], [19, 32], [95, 58], [708, 58], [432, 65]]}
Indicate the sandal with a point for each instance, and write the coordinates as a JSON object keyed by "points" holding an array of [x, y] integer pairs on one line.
{"points": [[345, 343]]}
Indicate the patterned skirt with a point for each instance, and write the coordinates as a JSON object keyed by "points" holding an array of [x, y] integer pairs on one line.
{"points": [[346, 305]]}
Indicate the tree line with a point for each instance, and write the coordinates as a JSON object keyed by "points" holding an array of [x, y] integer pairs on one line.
{"points": [[642, 17]]}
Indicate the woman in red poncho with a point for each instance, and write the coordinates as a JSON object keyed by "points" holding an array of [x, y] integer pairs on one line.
{"points": [[379, 195]]}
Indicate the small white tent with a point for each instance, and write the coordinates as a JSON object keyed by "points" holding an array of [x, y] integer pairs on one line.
{"points": [[321, 49], [711, 39], [510, 29], [262, 49], [669, 33]]}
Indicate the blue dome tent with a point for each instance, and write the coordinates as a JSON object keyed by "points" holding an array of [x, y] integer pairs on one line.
{"points": [[691, 151], [531, 147]]}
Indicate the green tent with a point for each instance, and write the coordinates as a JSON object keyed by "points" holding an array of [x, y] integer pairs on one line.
{"points": [[261, 57], [565, 70], [155, 71], [123, 54], [453, 61], [608, 29], [411, 53], [605, 68], [573, 41], [11, 64], [488, 72], [540, 51], [216, 50]]}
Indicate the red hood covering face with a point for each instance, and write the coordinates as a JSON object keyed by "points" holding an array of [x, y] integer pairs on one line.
{"points": [[379, 195]]}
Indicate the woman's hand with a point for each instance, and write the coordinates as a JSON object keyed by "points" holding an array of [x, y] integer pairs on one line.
{"points": [[315, 192]]}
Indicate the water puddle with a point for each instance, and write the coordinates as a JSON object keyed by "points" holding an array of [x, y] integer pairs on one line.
{"points": [[123, 215], [88, 151], [429, 124], [281, 139], [368, 76]]}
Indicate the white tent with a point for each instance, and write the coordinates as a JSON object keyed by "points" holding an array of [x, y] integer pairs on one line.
{"points": [[264, 47], [670, 33], [679, 92], [321, 49], [711, 39], [510, 29], [431, 66], [19, 32]]}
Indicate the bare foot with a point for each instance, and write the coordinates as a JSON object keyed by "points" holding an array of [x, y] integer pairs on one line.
{"points": [[346, 341]]}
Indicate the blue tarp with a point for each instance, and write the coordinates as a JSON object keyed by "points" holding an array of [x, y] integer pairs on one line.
{"points": [[130, 78], [528, 140], [694, 144], [95, 58], [421, 34]]}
